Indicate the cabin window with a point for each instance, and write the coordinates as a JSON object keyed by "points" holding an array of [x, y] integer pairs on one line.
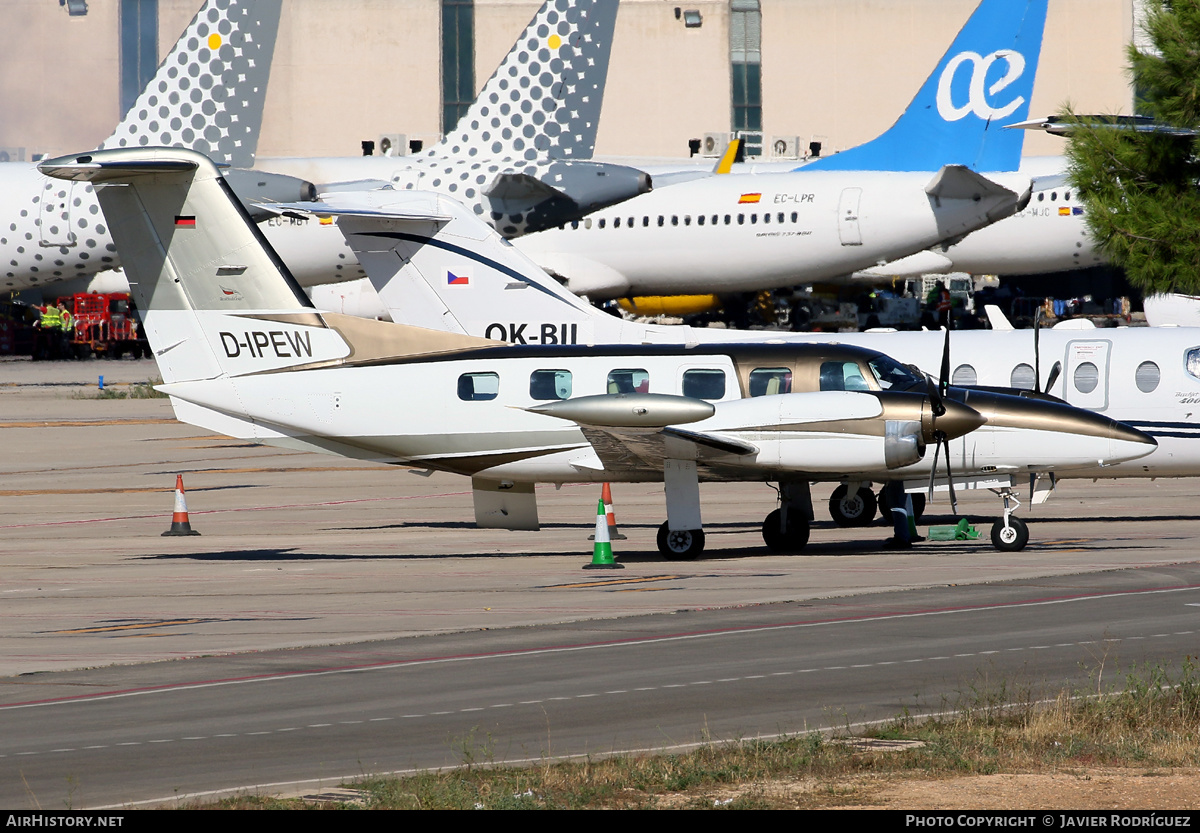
{"points": [[795, 217], [700, 220], [842, 376], [601, 224], [767, 217], [1067, 196], [741, 219], [478, 387], [629, 381], [587, 222], [753, 219], [574, 224], [768, 381], [1087, 377], [704, 384], [661, 219], [645, 221], [1041, 196], [687, 219], [550, 384], [964, 374], [727, 219], [780, 218], [630, 223], [1147, 376], [674, 220], [616, 222], [1022, 377]]}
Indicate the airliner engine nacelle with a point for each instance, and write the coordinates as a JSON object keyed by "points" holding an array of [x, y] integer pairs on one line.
{"points": [[560, 193], [256, 187]]}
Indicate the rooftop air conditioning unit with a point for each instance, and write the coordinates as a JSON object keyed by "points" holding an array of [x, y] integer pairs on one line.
{"points": [[393, 144], [785, 147], [714, 144]]}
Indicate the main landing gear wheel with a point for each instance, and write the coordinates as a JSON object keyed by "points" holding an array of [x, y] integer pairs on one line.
{"points": [[1011, 538], [852, 511], [680, 544], [794, 539], [918, 502]]}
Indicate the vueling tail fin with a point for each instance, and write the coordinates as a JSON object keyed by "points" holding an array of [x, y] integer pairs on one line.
{"points": [[983, 83], [544, 100], [208, 93]]}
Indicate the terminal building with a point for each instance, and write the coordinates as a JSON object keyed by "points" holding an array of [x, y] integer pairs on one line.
{"points": [[792, 77]]}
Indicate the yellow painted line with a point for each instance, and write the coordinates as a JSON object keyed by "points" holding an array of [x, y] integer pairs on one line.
{"points": [[140, 626], [86, 423], [608, 583]]}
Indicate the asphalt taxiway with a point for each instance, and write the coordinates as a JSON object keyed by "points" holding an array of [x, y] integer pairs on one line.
{"points": [[300, 551]]}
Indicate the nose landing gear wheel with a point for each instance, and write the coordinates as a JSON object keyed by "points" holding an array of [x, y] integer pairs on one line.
{"points": [[791, 540], [1012, 538], [856, 511], [680, 544]]}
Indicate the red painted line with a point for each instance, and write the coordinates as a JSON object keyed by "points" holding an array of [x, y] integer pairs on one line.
{"points": [[388, 664]]}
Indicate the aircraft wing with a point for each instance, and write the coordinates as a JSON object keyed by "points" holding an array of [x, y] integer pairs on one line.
{"points": [[639, 432], [633, 450]]}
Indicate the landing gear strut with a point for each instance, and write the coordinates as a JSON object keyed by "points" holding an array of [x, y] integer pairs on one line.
{"points": [[1010, 534], [681, 537], [786, 529]]}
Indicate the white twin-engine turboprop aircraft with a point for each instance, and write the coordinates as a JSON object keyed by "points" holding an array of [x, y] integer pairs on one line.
{"points": [[243, 352]]}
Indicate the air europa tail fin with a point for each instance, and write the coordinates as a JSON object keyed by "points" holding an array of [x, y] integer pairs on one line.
{"points": [[208, 93], [544, 99], [983, 83]]}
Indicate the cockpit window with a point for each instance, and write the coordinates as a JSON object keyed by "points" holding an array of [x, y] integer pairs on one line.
{"points": [[842, 376], [891, 375], [1191, 362]]}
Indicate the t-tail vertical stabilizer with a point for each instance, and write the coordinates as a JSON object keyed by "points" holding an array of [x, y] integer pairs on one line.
{"points": [[983, 83]]}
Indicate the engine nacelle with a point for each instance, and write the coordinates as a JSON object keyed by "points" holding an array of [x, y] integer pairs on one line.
{"points": [[256, 187]]}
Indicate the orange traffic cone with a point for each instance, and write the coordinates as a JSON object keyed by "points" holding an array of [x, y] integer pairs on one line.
{"points": [[179, 519], [610, 516]]}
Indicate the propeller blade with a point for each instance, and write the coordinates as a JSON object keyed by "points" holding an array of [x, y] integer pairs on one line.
{"points": [[937, 450], [950, 477], [944, 381], [1054, 373], [1037, 353]]}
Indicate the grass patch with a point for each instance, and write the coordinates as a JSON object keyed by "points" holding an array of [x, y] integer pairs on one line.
{"points": [[1151, 721], [137, 390]]}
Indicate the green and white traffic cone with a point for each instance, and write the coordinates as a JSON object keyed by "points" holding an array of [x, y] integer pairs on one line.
{"points": [[602, 555]]}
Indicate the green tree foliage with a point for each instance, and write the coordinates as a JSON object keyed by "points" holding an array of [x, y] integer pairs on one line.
{"points": [[1140, 189]]}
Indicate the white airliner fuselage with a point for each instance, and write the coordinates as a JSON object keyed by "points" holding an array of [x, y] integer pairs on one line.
{"points": [[738, 233]]}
